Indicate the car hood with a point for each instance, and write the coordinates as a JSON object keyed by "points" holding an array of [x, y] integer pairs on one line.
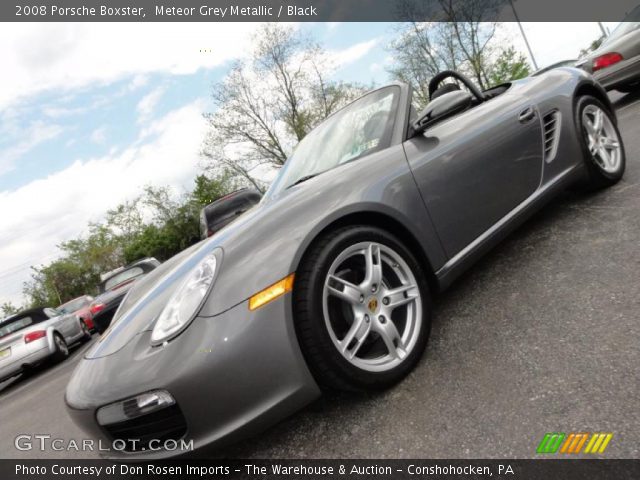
{"points": [[146, 297]]}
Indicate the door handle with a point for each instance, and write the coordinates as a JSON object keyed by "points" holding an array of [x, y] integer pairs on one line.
{"points": [[527, 114]]}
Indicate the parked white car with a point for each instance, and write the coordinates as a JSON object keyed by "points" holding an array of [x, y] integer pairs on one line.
{"points": [[32, 336]]}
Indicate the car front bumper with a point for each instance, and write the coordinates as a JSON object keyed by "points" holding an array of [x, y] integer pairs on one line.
{"points": [[232, 375]]}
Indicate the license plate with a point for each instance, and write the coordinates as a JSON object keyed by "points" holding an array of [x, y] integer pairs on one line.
{"points": [[5, 353]]}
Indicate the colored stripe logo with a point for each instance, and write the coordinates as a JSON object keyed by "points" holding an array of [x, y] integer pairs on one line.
{"points": [[556, 442], [550, 443]]}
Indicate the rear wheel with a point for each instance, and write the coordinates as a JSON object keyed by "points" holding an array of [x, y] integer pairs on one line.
{"points": [[601, 143], [362, 309], [61, 348]]}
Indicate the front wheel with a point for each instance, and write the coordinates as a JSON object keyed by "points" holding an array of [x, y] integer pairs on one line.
{"points": [[601, 143], [362, 309]]}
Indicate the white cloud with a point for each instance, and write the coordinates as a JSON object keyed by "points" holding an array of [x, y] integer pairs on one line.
{"points": [[58, 207], [137, 82], [148, 103], [341, 58], [62, 57], [35, 134], [53, 111], [378, 67]]}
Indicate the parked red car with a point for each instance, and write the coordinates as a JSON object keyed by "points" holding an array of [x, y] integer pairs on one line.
{"points": [[80, 307]]}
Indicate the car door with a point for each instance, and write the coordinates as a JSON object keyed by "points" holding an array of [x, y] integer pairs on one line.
{"points": [[474, 168], [64, 323]]}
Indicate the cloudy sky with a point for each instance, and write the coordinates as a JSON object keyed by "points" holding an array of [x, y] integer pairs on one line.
{"points": [[90, 113]]}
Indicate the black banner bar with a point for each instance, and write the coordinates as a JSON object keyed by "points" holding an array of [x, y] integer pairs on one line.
{"points": [[312, 10], [323, 469]]}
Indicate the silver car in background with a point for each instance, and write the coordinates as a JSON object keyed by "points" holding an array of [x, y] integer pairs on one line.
{"points": [[32, 336], [616, 63]]}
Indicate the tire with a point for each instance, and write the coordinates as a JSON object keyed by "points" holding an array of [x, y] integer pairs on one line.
{"points": [[605, 165], [324, 318], [62, 349]]}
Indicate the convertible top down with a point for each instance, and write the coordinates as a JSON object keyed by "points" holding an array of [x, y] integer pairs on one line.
{"points": [[327, 283]]}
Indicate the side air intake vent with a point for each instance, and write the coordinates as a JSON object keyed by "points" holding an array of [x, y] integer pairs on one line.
{"points": [[551, 133]]}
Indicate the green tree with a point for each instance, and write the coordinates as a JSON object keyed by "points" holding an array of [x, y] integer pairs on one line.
{"points": [[269, 102], [444, 35], [126, 219], [510, 65], [77, 271], [594, 45], [176, 222], [420, 51], [155, 224], [208, 189], [7, 309]]}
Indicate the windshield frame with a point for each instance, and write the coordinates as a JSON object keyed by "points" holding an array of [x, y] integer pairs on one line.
{"points": [[398, 132]]}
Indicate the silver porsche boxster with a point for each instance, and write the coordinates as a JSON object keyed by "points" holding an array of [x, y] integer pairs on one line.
{"points": [[328, 281]]}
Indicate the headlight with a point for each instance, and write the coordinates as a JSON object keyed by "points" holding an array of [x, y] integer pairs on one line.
{"points": [[185, 303]]}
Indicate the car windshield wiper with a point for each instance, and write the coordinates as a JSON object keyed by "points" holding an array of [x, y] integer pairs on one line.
{"points": [[304, 179], [312, 175]]}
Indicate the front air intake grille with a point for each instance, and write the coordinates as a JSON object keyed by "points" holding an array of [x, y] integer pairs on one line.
{"points": [[551, 130], [160, 426]]}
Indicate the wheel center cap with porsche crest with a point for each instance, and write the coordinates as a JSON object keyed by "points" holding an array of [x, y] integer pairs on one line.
{"points": [[372, 304]]}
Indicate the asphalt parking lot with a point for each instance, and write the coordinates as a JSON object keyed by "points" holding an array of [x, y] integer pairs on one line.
{"points": [[543, 335]]}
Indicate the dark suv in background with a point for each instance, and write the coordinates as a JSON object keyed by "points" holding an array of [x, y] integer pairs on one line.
{"points": [[226, 209], [114, 287]]}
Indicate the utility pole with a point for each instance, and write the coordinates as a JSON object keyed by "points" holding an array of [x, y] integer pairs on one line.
{"points": [[515, 14], [604, 30]]}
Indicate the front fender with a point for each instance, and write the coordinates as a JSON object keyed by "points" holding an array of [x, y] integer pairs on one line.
{"points": [[50, 343], [267, 244]]}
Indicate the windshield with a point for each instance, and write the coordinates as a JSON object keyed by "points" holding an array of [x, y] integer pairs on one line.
{"points": [[630, 22], [74, 305], [121, 277], [361, 128]]}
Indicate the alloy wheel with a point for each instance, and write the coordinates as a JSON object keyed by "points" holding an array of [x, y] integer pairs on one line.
{"points": [[372, 306], [602, 138]]}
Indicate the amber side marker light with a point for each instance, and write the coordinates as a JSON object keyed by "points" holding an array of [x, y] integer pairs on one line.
{"points": [[272, 292]]}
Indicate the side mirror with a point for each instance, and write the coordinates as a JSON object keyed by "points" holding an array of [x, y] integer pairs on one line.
{"points": [[442, 107]]}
